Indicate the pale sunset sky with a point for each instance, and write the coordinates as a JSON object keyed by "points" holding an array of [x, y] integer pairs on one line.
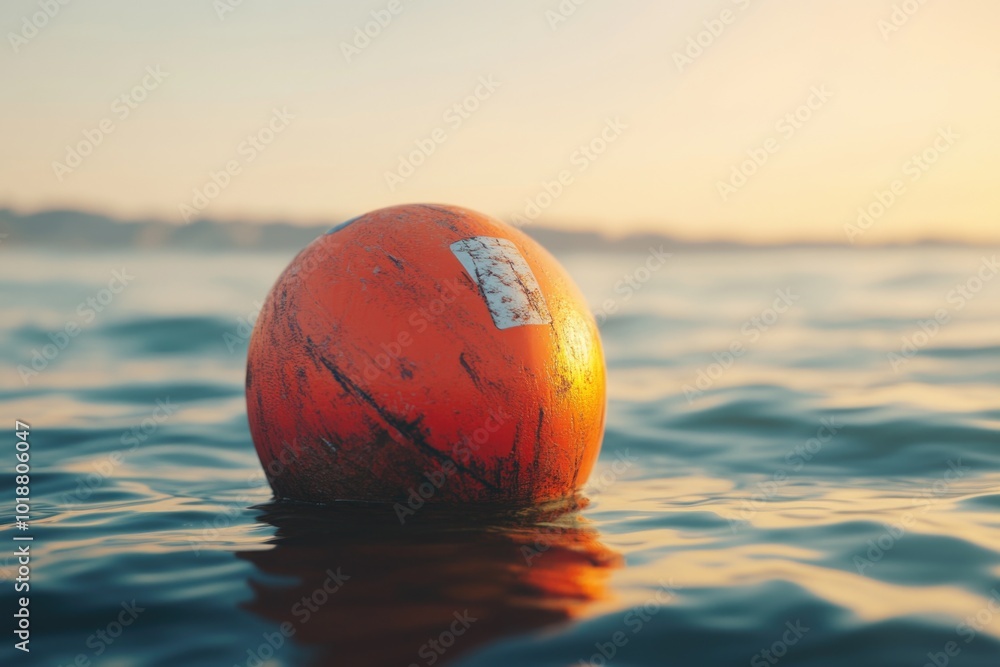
{"points": [[702, 142]]}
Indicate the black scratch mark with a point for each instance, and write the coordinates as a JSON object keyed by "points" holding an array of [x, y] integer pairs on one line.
{"points": [[468, 369], [398, 262], [442, 210], [446, 223], [409, 430], [538, 448]]}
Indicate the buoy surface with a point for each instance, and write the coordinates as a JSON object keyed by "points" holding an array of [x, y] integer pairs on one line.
{"points": [[425, 353]]}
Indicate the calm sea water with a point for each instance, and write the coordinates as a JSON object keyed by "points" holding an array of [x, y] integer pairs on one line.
{"points": [[774, 487]]}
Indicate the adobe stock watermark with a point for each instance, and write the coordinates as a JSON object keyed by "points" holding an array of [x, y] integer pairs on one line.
{"points": [[795, 460], [914, 168], [714, 28], [121, 108], [303, 611], [224, 7], [596, 485], [417, 323], [462, 452], [247, 151], [901, 14], [102, 639], [86, 312], [130, 441], [580, 160], [957, 298], [434, 648], [453, 118], [238, 338], [285, 458], [967, 631], [894, 532], [600, 482], [772, 655], [635, 619], [562, 12], [786, 128], [751, 330], [223, 519], [33, 24], [365, 34], [632, 282], [232, 509]]}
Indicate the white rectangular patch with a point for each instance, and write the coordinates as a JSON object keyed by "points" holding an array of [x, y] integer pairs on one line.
{"points": [[505, 279]]}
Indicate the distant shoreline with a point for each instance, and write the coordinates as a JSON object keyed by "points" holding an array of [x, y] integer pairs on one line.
{"points": [[67, 228]]}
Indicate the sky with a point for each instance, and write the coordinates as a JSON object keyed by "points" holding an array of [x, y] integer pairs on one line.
{"points": [[867, 121]]}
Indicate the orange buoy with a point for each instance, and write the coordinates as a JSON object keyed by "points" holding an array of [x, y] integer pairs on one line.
{"points": [[425, 353]]}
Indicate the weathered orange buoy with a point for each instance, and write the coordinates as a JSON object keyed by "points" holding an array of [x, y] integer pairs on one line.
{"points": [[425, 352]]}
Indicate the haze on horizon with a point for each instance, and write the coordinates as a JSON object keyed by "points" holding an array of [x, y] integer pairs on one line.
{"points": [[885, 105]]}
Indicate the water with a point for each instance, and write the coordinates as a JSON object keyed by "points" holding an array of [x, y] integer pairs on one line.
{"points": [[804, 498]]}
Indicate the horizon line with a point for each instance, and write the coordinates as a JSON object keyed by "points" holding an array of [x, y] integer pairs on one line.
{"points": [[542, 226]]}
